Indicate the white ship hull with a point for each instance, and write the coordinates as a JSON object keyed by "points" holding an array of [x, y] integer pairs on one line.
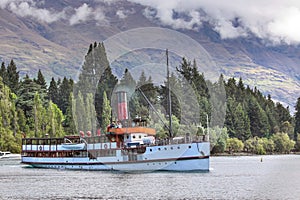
{"points": [[175, 157]]}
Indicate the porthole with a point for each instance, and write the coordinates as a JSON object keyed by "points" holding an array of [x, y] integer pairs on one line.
{"points": [[171, 148], [178, 147], [158, 149], [140, 136], [175, 162], [166, 148], [150, 149], [190, 147]]}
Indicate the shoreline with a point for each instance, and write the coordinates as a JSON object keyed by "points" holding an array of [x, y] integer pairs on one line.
{"points": [[250, 154]]}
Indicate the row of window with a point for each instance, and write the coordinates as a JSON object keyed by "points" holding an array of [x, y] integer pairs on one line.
{"points": [[170, 148], [135, 136], [160, 163]]}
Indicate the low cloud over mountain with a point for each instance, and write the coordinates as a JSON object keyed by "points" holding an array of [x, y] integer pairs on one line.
{"points": [[256, 40]]}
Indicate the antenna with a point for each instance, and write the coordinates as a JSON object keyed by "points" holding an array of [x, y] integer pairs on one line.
{"points": [[169, 96]]}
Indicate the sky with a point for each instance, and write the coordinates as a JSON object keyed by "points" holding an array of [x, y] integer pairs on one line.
{"points": [[276, 21]]}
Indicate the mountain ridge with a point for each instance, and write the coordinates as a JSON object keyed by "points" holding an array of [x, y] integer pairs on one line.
{"points": [[58, 48]]}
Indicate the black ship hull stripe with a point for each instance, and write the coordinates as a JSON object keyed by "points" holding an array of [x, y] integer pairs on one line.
{"points": [[120, 162]]}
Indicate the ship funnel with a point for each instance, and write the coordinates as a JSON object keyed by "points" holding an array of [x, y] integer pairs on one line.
{"points": [[122, 105]]}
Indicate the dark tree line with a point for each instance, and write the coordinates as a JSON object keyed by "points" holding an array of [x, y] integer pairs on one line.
{"points": [[29, 106]]}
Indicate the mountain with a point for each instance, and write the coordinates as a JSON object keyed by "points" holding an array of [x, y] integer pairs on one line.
{"points": [[58, 47]]}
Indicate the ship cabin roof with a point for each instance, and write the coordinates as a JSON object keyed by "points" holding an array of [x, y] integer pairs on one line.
{"points": [[131, 130], [138, 125]]}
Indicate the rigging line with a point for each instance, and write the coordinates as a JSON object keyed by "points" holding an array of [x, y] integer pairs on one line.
{"points": [[139, 89]]}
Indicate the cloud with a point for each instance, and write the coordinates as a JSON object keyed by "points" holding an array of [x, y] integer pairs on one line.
{"points": [[85, 13], [273, 20], [81, 14], [123, 13], [28, 8], [34, 9]]}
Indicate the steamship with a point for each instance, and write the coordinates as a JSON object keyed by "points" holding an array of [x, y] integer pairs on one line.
{"points": [[129, 145], [126, 146]]}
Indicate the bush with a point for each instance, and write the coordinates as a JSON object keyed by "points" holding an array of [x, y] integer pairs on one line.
{"points": [[297, 146], [259, 146], [282, 143], [234, 145]]}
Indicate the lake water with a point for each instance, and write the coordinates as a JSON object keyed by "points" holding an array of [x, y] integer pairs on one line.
{"points": [[277, 177]]}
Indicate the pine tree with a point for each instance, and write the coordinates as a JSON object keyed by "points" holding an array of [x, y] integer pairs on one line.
{"points": [[297, 120], [106, 83], [12, 77], [41, 80], [259, 125], [53, 92], [64, 92], [43, 87], [94, 65], [26, 94], [3, 73], [242, 123]]}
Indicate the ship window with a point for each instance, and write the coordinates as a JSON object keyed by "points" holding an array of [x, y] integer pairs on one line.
{"points": [[171, 148], [150, 149], [189, 146], [127, 136], [165, 148], [133, 136], [140, 136], [178, 147], [158, 149], [175, 162]]}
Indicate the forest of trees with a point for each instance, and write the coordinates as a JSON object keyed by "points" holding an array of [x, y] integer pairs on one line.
{"points": [[254, 123]]}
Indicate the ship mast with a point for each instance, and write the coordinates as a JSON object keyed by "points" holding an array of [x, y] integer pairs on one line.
{"points": [[169, 96]]}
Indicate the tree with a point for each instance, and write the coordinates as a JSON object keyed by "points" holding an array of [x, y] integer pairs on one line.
{"points": [[106, 114], [95, 63], [41, 80], [70, 118], [221, 136], [242, 123], [106, 83], [39, 117], [282, 142], [176, 96], [259, 125], [27, 90], [91, 119], [3, 73], [12, 77], [9, 130], [79, 110], [297, 120], [53, 92], [234, 145], [54, 120], [65, 89], [298, 142]]}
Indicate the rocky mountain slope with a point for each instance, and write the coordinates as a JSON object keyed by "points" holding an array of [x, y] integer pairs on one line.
{"points": [[58, 47]]}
